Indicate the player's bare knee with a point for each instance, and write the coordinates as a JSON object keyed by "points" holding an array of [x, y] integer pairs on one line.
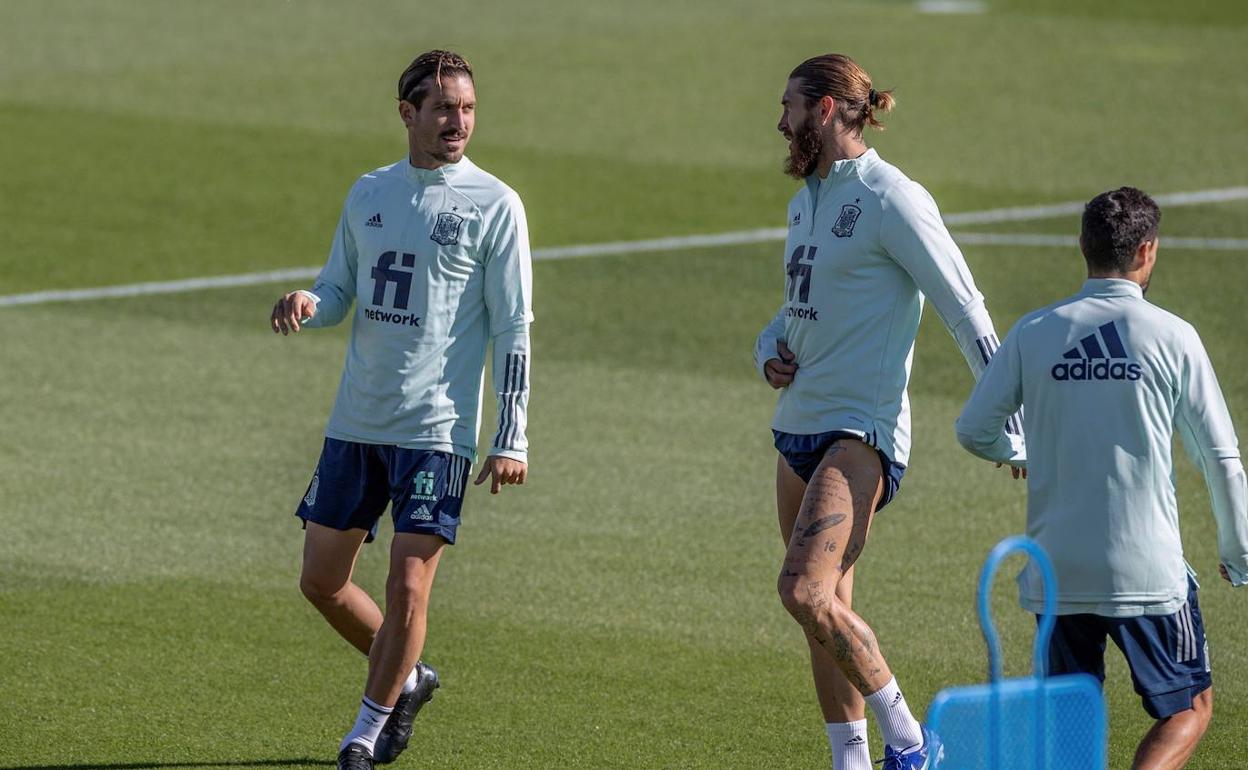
{"points": [[407, 591], [807, 598], [321, 590]]}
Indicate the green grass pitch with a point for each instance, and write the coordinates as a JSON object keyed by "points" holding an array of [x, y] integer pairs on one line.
{"points": [[618, 611]]}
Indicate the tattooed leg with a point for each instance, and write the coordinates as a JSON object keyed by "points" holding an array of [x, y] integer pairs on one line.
{"points": [[839, 701], [827, 537]]}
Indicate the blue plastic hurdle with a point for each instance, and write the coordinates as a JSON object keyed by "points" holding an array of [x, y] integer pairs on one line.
{"points": [[1033, 723]]}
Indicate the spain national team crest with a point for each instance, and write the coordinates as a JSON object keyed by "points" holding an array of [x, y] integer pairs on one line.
{"points": [[844, 226], [446, 229]]}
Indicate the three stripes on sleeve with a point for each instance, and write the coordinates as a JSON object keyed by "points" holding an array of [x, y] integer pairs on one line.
{"points": [[987, 349], [512, 403]]}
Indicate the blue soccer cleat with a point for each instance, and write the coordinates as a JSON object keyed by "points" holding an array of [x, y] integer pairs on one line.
{"points": [[927, 757]]}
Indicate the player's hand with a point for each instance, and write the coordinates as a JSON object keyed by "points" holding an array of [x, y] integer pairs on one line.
{"points": [[291, 310], [780, 371], [1018, 473], [501, 471]]}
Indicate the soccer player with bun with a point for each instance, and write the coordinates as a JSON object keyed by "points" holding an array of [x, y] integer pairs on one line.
{"points": [[865, 246], [434, 254], [1106, 377]]}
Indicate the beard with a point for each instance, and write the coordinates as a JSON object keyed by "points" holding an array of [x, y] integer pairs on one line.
{"points": [[807, 146]]}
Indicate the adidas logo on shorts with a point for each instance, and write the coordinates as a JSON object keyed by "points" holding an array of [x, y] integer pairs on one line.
{"points": [[422, 514]]}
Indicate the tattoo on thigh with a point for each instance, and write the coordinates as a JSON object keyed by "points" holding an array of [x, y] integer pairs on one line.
{"points": [[795, 563], [820, 525]]}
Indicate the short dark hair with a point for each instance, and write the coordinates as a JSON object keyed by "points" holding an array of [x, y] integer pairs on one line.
{"points": [[1115, 223], [414, 82]]}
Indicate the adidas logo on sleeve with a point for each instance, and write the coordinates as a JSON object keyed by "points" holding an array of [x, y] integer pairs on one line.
{"points": [[1099, 356]]}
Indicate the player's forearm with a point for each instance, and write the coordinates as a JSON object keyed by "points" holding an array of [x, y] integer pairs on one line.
{"points": [[765, 345], [1204, 424], [972, 328], [331, 305], [977, 339], [988, 440], [981, 425], [511, 390]]}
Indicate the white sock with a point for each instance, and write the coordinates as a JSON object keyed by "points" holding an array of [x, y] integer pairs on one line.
{"points": [[900, 729], [849, 745], [410, 683], [368, 724]]}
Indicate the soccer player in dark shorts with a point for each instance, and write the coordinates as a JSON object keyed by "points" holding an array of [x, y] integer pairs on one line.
{"points": [[433, 252], [1106, 378], [866, 244]]}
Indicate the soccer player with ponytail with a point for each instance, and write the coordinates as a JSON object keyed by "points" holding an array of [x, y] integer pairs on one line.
{"points": [[865, 246]]}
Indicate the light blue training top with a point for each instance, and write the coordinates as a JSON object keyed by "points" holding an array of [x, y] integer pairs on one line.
{"points": [[865, 246], [1106, 377], [437, 265]]}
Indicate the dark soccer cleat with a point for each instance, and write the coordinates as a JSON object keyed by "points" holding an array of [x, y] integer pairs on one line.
{"points": [[398, 729], [354, 757]]}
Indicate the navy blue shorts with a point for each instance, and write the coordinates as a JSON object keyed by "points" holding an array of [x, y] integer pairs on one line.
{"points": [[354, 482], [804, 452], [1168, 654]]}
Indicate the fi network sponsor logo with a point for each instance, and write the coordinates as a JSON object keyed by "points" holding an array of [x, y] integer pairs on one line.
{"points": [[1099, 356], [799, 268], [423, 485]]}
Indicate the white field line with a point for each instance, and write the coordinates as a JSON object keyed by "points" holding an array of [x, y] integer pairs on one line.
{"points": [[950, 6], [1070, 241], [1030, 213], [766, 235]]}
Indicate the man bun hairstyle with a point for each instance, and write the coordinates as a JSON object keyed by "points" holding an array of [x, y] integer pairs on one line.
{"points": [[840, 77], [414, 82], [1115, 223]]}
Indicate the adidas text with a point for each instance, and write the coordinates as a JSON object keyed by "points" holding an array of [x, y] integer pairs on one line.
{"points": [[1101, 370]]}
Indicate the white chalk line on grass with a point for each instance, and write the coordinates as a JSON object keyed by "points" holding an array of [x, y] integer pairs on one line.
{"points": [[1049, 211], [1064, 241], [947, 7], [737, 238]]}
